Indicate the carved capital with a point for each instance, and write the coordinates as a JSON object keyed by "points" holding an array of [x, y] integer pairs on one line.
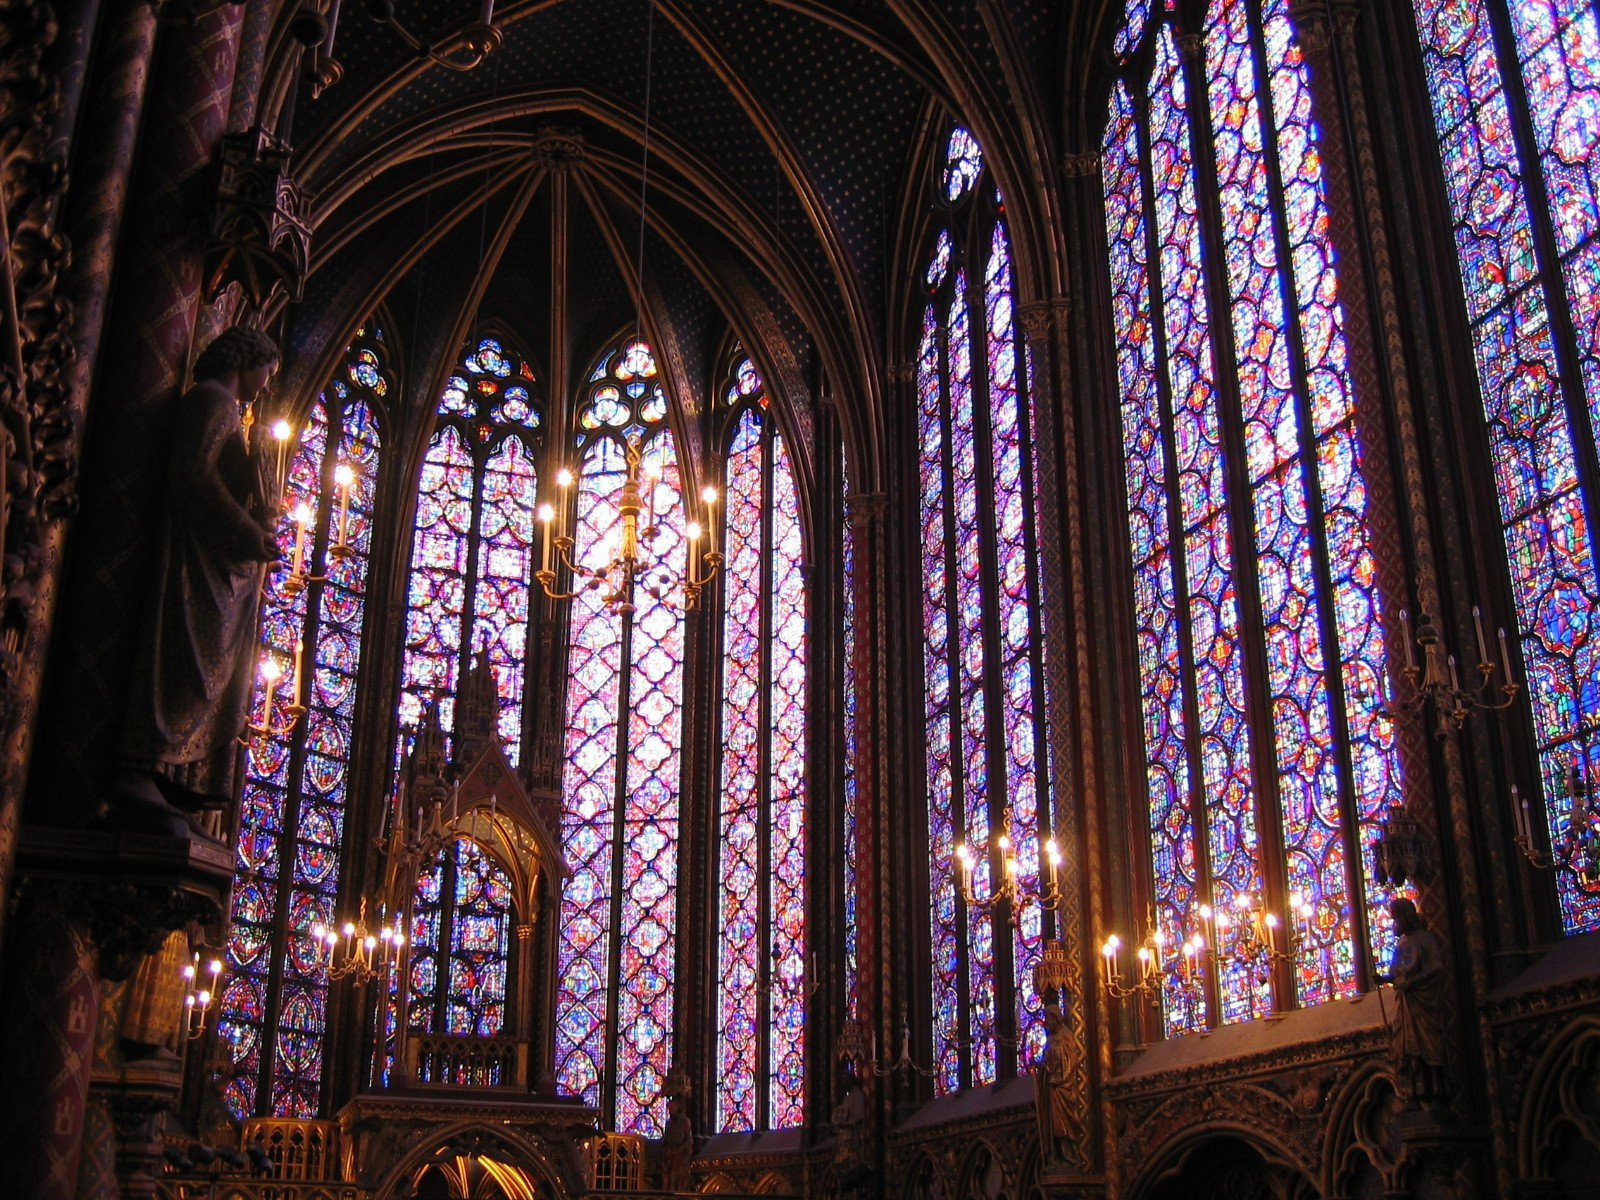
{"points": [[258, 233], [1036, 320], [559, 149], [1310, 21], [865, 508], [1081, 166]]}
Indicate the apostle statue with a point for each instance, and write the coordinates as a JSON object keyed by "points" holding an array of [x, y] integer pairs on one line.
{"points": [[1419, 978], [677, 1147], [1062, 1135], [191, 682], [850, 1167]]}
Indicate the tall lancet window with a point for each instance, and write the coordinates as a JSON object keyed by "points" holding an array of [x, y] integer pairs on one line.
{"points": [[851, 710], [1255, 597], [461, 942], [981, 645], [1514, 89], [761, 955], [620, 787], [472, 550], [291, 815]]}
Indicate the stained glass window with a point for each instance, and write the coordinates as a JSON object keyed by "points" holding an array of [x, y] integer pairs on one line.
{"points": [[1515, 89], [473, 545], [620, 788], [761, 995], [291, 817], [460, 943], [1299, 597], [980, 580], [851, 710]]}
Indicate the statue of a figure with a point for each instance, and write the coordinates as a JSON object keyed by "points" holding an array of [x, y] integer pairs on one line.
{"points": [[1062, 1135], [677, 1147], [850, 1167], [1418, 974], [192, 681]]}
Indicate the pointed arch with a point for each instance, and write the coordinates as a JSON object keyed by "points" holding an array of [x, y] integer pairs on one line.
{"points": [[292, 808]]}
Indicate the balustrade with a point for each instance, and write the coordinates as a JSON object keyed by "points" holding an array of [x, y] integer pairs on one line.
{"points": [[450, 1060]]}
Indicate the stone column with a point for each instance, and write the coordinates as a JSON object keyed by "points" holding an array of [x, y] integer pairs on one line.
{"points": [[143, 364], [1071, 751], [47, 1029]]}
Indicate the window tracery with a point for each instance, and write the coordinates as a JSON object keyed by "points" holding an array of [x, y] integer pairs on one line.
{"points": [[620, 787], [762, 965], [291, 819], [1255, 594], [1514, 89], [980, 579], [472, 545]]}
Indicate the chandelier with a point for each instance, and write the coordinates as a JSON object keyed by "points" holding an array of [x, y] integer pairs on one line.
{"points": [[631, 562], [199, 989], [1437, 679], [1576, 848], [1011, 894], [302, 573], [1246, 937]]}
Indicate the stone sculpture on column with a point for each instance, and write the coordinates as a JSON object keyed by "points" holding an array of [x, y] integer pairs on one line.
{"points": [[187, 698]]}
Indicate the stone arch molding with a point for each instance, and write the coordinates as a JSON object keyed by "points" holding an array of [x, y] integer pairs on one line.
{"points": [[1562, 1095], [1264, 1121], [541, 1157], [1358, 1133]]}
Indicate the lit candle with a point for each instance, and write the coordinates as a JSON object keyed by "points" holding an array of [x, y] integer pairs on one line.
{"points": [[546, 515], [1110, 951], [1483, 646], [271, 672], [564, 480], [282, 432], [302, 520], [1188, 962], [652, 479], [1271, 922], [1052, 856], [345, 478], [709, 495]]}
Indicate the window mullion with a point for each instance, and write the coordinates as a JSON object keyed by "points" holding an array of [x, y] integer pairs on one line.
{"points": [[1240, 518], [994, 696], [1333, 682], [764, 824], [1177, 539], [469, 581], [958, 783], [446, 946], [294, 776], [619, 830]]}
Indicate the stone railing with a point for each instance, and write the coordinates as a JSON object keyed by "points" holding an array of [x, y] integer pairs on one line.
{"points": [[300, 1150], [447, 1060], [616, 1162], [168, 1188]]}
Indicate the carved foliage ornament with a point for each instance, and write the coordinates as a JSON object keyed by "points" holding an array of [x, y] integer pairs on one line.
{"points": [[258, 234], [36, 421]]}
